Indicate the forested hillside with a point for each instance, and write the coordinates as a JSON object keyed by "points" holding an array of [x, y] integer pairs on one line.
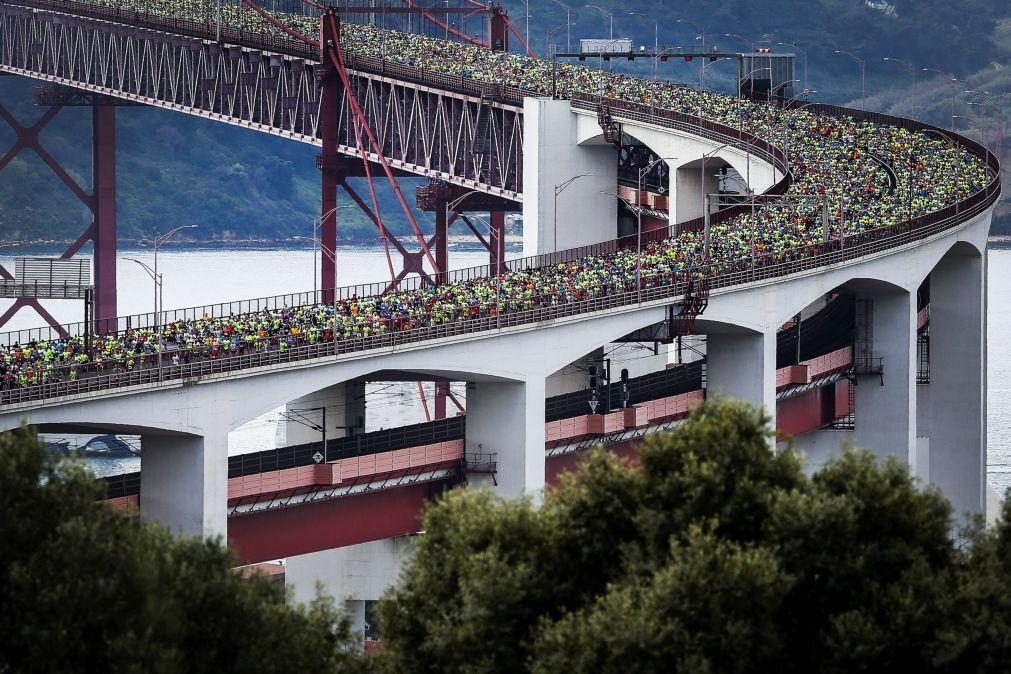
{"points": [[240, 185]]}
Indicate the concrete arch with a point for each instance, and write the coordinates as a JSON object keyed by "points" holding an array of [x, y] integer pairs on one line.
{"points": [[794, 302]]}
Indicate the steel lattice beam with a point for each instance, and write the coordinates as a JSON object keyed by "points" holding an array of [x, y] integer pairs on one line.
{"points": [[421, 130]]}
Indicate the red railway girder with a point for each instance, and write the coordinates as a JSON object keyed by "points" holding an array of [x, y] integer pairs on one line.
{"points": [[101, 202]]}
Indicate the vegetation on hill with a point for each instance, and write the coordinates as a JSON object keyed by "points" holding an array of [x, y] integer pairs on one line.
{"points": [[715, 554], [242, 185]]}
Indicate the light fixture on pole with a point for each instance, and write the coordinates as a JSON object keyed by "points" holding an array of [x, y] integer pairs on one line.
{"points": [[772, 90], [702, 178], [984, 96], [159, 241], [526, 6], [559, 188], [550, 34], [157, 278], [638, 228], [702, 73], [863, 76], [568, 25], [317, 223], [701, 35], [333, 257], [609, 16], [656, 35], [912, 71], [951, 82], [751, 46], [793, 45]]}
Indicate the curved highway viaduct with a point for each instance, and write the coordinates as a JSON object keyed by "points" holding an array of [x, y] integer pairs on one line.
{"points": [[938, 429]]}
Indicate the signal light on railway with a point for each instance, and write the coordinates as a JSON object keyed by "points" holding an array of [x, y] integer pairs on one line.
{"points": [[688, 58], [593, 377], [624, 376], [664, 58]]}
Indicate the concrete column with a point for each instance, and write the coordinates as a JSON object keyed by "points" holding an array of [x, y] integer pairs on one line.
{"points": [[742, 365], [955, 398], [552, 158], [885, 417], [345, 407], [353, 573], [184, 483], [686, 200], [507, 418]]}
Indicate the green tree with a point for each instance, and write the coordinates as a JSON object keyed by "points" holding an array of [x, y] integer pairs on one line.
{"points": [[712, 554], [84, 588]]}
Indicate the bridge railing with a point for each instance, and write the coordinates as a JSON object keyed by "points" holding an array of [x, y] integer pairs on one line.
{"points": [[654, 286]]}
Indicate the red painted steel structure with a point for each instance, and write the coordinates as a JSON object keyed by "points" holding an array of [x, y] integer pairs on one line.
{"points": [[101, 202], [280, 532], [284, 532]]}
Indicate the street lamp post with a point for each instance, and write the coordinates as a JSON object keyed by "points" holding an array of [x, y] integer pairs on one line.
{"points": [[333, 256], [748, 77], [568, 25], [656, 35], [702, 178], [526, 6], [559, 188], [638, 227], [863, 76], [772, 90], [158, 242], [316, 224], [751, 46], [708, 65], [803, 53], [157, 278], [970, 119], [550, 34], [951, 82], [983, 97], [609, 16], [701, 35], [912, 71]]}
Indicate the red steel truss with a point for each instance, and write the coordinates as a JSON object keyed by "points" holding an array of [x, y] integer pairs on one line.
{"points": [[101, 201]]}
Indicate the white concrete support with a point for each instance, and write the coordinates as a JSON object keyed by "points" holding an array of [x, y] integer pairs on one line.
{"points": [[742, 365], [551, 158], [955, 398], [184, 483], [821, 446], [885, 420], [353, 573], [687, 200], [344, 404], [507, 419]]}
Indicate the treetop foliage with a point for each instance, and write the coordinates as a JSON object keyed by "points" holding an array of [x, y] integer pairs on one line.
{"points": [[713, 554], [84, 588]]}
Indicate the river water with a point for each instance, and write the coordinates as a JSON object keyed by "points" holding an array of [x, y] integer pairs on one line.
{"points": [[205, 276]]}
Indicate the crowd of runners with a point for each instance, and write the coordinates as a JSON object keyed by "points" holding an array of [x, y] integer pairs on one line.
{"points": [[872, 175]]}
